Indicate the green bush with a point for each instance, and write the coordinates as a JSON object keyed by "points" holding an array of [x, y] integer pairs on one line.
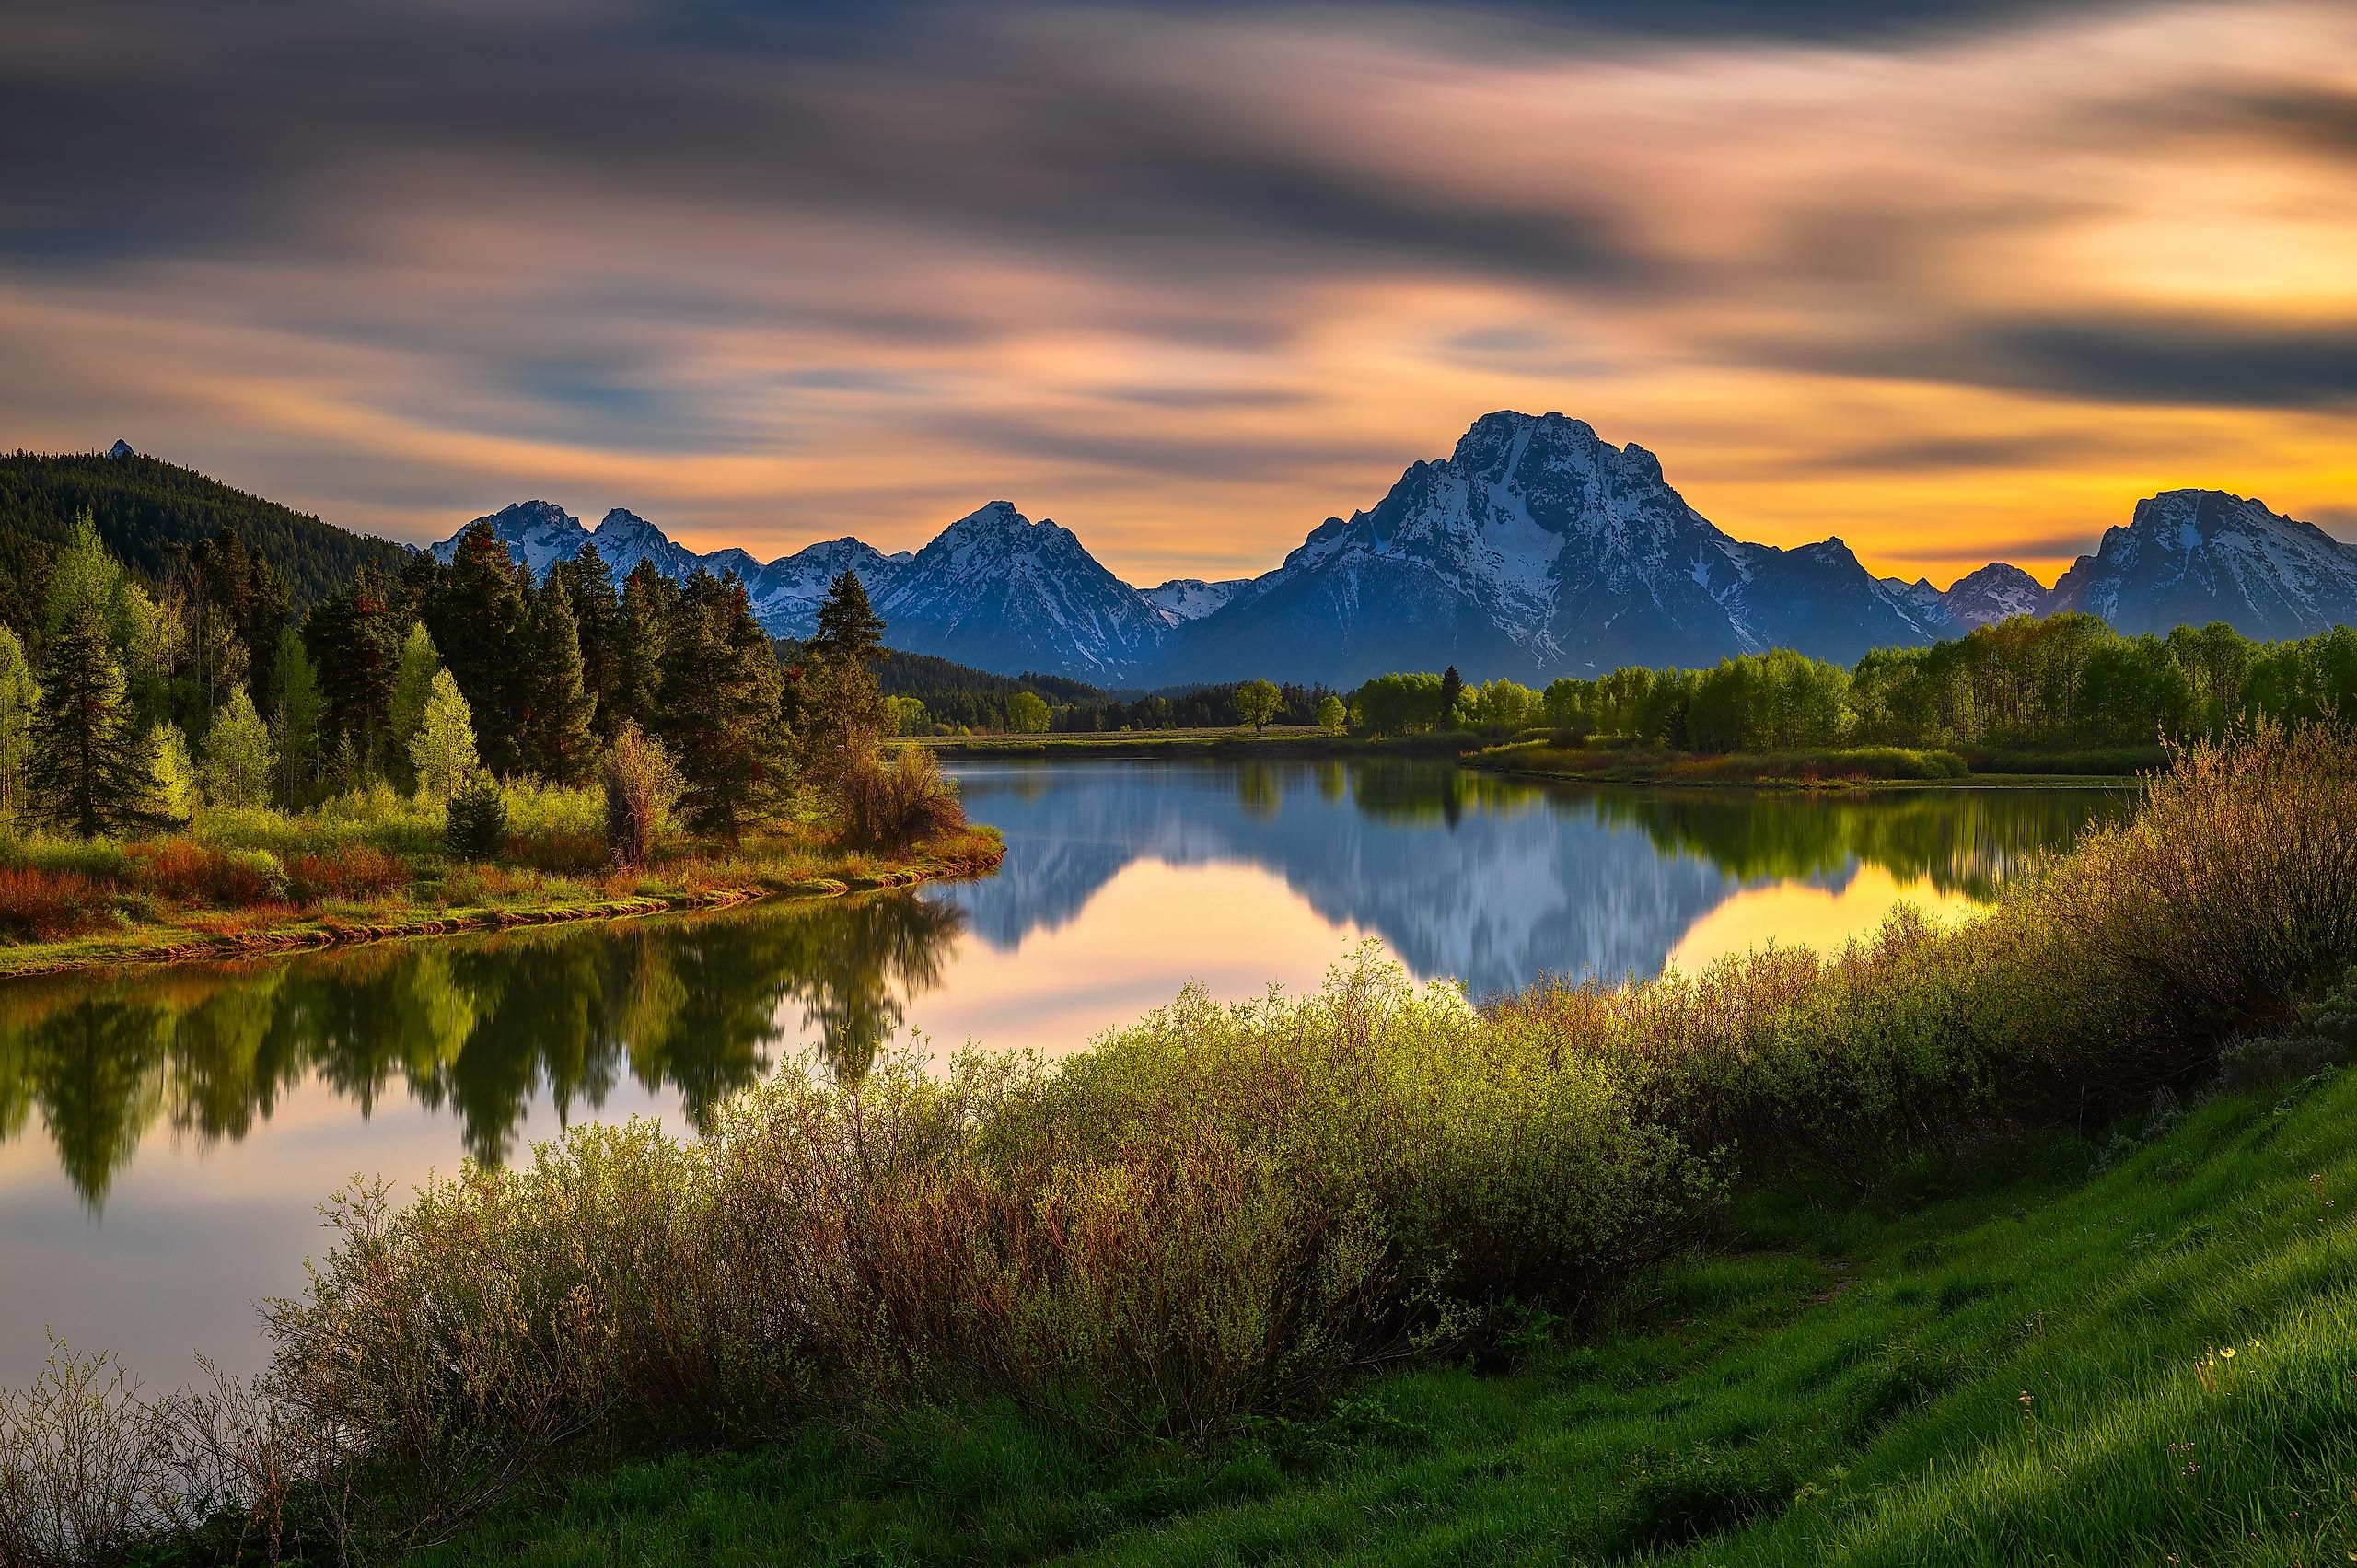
{"points": [[475, 820]]}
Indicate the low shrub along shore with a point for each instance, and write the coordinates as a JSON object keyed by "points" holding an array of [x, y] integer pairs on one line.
{"points": [[1218, 1216]]}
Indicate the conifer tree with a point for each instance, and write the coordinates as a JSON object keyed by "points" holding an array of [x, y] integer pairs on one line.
{"points": [[19, 699], [478, 621], [442, 753], [837, 703], [240, 761], [598, 612], [650, 604], [295, 726], [354, 642], [722, 687], [558, 741], [1452, 686], [90, 769]]}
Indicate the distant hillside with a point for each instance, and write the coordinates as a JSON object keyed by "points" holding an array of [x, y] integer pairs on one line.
{"points": [[145, 508]]}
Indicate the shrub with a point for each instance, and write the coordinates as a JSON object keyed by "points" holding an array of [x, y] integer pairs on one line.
{"points": [[642, 786], [890, 805], [475, 820], [47, 906], [189, 872], [359, 871]]}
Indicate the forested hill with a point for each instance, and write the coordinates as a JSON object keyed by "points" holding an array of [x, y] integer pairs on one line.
{"points": [[145, 508]]}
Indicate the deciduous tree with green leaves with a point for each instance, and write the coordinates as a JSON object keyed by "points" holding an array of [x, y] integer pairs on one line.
{"points": [[442, 753], [19, 698], [240, 761], [1256, 702]]}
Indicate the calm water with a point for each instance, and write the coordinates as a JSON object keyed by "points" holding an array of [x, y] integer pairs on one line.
{"points": [[165, 1134]]}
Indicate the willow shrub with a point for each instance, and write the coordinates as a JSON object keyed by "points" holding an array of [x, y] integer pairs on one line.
{"points": [[1219, 1209]]}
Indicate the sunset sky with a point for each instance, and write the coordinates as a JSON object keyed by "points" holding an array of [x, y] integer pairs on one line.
{"points": [[1952, 281]]}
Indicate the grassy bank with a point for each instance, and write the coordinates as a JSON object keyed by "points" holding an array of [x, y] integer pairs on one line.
{"points": [[1176, 744], [375, 867], [1213, 1226], [2013, 1353], [1842, 768]]}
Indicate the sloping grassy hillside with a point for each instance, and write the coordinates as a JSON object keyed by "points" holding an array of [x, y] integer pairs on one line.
{"points": [[2136, 1350]]}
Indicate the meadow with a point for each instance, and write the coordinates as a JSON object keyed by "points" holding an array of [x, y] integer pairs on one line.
{"points": [[1374, 1269]]}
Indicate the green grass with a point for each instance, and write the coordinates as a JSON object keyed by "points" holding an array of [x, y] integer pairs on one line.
{"points": [[2017, 1358]]}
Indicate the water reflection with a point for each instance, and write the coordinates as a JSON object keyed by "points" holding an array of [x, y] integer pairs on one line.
{"points": [[477, 1028]]}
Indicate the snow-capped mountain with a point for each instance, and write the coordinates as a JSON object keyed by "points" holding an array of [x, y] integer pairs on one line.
{"points": [[1539, 548], [1191, 598], [1536, 548], [1001, 592], [2189, 557], [1996, 592]]}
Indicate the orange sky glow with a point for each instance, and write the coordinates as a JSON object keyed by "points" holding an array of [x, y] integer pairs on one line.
{"points": [[1951, 297]]}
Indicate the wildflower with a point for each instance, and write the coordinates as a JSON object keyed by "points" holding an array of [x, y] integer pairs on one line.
{"points": [[2227, 1354]]}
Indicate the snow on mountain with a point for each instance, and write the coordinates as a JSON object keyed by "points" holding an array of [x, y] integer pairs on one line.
{"points": [[538, 533], [1003, 593], [1538, 549], [2188, 557], [787, 592], [122, 448], [1191, 598], [1996, 592]]}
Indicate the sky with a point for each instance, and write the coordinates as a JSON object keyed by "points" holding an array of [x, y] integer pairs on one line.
{"points": [[1954, 281]]}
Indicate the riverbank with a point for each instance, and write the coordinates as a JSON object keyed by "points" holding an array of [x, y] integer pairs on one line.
{"points": [[2132, 1344], [1879, 767], [442, 900], [1187, 744]]}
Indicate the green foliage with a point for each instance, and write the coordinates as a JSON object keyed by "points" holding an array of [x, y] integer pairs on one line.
{"points": [[558, 739], [475, 819], [906, 715], [240, 761], [175, 788], [891, 805], [1027, 713], [723, 711], [1330, 714], [19, 701], [477, 621], [298, 709], [642, 787], [1400, 704], [413, 675], [90, 769], [1498, 706], [442, 753], [1256, 702]]}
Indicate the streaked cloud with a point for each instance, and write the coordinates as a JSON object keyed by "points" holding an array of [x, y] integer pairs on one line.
{"points": [[1948, 280]]}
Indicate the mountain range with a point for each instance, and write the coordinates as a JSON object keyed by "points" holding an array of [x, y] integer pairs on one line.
{"points": [[1535, 549]]}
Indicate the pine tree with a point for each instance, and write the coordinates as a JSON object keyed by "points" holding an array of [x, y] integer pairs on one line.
{"points": [[1452, 686], [721, 693], [837, 703], [650, 605], [240, 761], [295, 726], [90, 769], [19, 699], [589, 583], [442, 752], [354, 642], [558, 741], [478, 623], [413, 684]]}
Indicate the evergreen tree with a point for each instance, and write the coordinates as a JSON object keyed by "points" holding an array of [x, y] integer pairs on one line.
{"points": [[90, 769], [650, 604], [295, 723], [475, 822], [240, 761], [1452, 686], [598, 612], [837, 704], [442, 753], [477, 623], [558, 741], [722, 689], [413, 684], [355, 641], [19, 699]]}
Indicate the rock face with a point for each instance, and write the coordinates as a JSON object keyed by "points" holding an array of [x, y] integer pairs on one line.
{"points": [[1996, 592], [1003, 593], [2189, 557], [1536, 548]]}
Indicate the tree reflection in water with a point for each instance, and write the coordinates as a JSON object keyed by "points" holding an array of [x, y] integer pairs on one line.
{"points": [[480, 1026]]}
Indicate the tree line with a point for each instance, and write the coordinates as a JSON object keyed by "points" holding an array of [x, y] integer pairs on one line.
{"points": [[2069, 680], [438, 680]]}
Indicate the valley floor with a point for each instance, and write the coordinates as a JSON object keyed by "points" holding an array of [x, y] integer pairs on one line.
{"points": [[2141, 1347]]}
